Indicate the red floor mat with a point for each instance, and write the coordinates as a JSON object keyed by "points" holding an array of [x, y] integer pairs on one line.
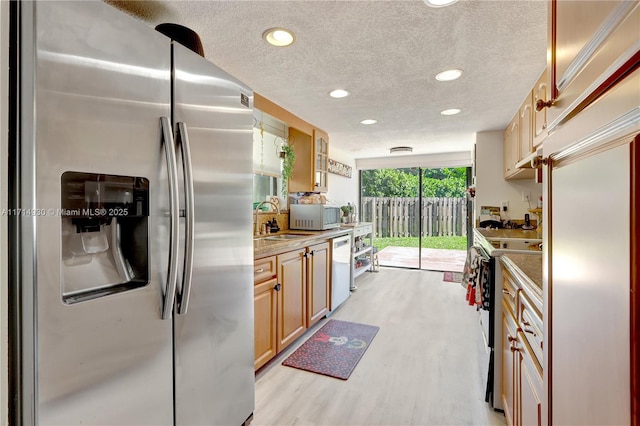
{"points": [[334, 350]]}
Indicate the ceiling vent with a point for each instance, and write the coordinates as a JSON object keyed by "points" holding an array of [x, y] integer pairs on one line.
{"points": [[397, 149]]}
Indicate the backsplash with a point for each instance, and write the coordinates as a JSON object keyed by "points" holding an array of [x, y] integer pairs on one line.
{"points": [[281, 218]]}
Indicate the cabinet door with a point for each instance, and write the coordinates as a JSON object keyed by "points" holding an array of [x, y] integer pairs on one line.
{"points": [[590, 48], [302, 178], [590, 299], [525, 138], [529, 385], [292, 297], [317, 283], [508, 365], [321, 160], [511, 144], [265, 314], [540, 113]]}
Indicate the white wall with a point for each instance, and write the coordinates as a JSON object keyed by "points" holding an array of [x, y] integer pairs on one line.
{"points": [[491, 188], [342, 189], [433, 161], [4, 299]]}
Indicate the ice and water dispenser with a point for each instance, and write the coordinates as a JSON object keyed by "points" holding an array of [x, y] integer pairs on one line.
{"points": [[105, 236]]}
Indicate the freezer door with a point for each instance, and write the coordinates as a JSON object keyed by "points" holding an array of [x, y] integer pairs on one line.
{"points": [[214, 337], [95, 350]]}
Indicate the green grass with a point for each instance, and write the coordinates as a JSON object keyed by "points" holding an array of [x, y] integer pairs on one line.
{"points": [[449, 243]]}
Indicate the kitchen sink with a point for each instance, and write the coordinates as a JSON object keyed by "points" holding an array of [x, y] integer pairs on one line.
{"points": [[281, 237]]}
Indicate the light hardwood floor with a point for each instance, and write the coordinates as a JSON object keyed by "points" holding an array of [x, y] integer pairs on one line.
{"points": [[420, 369]]}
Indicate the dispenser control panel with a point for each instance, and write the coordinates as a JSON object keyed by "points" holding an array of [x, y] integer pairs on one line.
{"points": [[88, 195]]}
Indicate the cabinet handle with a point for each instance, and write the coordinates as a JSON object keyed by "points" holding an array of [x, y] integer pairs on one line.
{"points": [[505, 291], [514, 349], [259, 270], [277, 287], [540, 104], [526, 330], [511, 339]]}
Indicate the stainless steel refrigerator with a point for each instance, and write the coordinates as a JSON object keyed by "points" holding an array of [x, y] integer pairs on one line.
{"points": [[131, 255]]}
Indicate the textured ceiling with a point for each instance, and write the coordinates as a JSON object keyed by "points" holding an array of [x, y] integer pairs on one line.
{"points": [[386, 53]]}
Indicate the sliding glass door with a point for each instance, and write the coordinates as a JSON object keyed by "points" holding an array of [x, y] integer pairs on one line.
{"points": [[419, 215]]}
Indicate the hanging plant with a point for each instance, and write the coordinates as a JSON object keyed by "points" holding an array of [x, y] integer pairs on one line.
{"points": [[288, 158]]}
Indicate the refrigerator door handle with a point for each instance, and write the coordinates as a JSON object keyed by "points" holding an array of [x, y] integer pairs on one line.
{"points": [[174, 215], [183, 140]]}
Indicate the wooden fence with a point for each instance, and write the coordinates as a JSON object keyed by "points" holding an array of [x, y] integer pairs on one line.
{"points": [[400, 217]]}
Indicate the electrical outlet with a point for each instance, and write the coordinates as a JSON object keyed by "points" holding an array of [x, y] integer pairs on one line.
{"points": [[525, 196], [505, 206]]}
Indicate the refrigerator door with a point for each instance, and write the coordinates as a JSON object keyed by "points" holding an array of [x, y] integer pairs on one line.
{"points": [[214, 337], [96, 350]]}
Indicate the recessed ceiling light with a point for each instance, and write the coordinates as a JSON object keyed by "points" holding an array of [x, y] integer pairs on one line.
{"points": [[452, 111], [397, 149], [439, 3], [339, 93], [368, 121], [279, 37], [449, 75]]}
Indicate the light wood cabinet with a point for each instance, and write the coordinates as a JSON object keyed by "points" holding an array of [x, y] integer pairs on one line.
{"points": [[518, 141], [265, 310], [265, 314], [312, 160], [318, 288], [540, 112], [521, 370], [508, 368], [292, 297], [510, 147], [321, 160], [291, 293], [529, 384], [525, 138], [590, 50]]}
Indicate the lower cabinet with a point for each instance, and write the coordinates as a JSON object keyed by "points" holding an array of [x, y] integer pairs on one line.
{"points": [[292, 297], [529, 384], [265, 314], [265, 288], [318, 272], [509, 336], [291, 293], [521, 372]]}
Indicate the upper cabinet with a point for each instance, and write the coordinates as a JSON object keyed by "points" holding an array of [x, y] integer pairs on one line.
{"points": [[310, 166], [518, 142], [310, 146], [591, 48], [321, 160], [540, 113]]}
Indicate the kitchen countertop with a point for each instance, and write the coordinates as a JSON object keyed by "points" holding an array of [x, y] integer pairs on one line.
{"points": [[263, 247], [526, 269], [508, 233], [524, 266]]}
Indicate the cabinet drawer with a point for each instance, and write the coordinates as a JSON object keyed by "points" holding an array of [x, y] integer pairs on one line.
{"points": [[530, 321], [363, 230], [263, 269], [509, 291]]}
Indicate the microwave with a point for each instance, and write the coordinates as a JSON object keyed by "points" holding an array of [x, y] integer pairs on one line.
{"points": [[314, 217]]}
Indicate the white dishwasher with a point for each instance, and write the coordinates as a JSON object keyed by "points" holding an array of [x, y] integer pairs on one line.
{"points": [[340, 270]]}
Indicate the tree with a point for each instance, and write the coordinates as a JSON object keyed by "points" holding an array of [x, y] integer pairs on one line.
{"points": [[449, 182]]}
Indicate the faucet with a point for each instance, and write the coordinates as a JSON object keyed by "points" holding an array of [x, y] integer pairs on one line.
{"points": [[256, 231]]}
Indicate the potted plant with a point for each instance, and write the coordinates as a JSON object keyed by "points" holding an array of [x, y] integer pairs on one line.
{"points": [[346, 213], [288, 159]]}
